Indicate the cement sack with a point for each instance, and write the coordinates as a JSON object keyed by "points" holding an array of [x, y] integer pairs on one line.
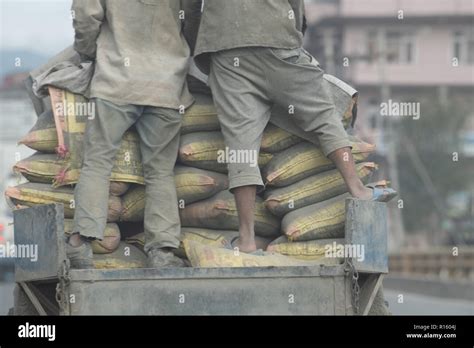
{"points": [[201, 116], [217, 238], [126, 256], [44, 168], [32, 194], [193, 184], [303, 160], [137, 240], [42, 137], [317, 221], [207, 256], [220, 212], [201, 150], [71, 115], [107, 245], [313, 189], [275, 139], [310, 250], [133, 204], [40, 167], [118, 188]]}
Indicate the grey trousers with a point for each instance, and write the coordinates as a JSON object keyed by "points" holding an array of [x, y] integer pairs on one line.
{"points": [[248, 82], [159, 130]]}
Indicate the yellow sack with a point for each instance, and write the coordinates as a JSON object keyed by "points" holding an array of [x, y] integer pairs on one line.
{"points": [[193, 184], [201, 116], [201, 150], [137, 240], [207, 256], [70, 129], [126, 256], [310, 250], [219, 239], [317, 221], [31, 194], [311, 190], [305, 159], [42, 137], [118, 188], [220, 212], [133, 204], [40, 167], [44, 168], [107, 245], [275, 139]]}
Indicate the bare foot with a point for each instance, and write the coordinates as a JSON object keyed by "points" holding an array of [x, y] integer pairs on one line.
{"points": [[75, 240], [364, 194], [245, 247]]}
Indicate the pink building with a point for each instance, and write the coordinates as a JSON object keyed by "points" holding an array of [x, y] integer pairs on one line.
{"points": [[395, 49]]}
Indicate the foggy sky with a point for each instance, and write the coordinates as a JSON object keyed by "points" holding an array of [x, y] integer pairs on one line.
{"points": [[42, 26]]}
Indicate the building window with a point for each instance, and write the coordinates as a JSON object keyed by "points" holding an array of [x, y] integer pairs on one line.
{"points": [[400, 47], [372, 48], [463, 47]]}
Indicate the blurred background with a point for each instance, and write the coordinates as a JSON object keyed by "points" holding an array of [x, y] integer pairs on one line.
{"points": [[392, 52]]}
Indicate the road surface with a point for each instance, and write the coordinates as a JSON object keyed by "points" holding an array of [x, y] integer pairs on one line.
{"points": [[417, 304]]}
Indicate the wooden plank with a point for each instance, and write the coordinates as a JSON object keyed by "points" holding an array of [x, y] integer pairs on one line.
{"points": [[34, 300], [368, 291]]}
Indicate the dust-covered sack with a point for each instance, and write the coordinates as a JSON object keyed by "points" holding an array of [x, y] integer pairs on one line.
{"points": [[208, 256], [201, 116], [125, 256], [107, 245], [305, 159], [313, 189], [317, 221], [193, 184], [220, 212], [42, 137], [32, 194], [276, 139], [310, 250], [206, 150], [40, 167]]}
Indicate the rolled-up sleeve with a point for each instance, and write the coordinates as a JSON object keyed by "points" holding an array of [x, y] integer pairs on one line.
{"points": [[88, 16]]}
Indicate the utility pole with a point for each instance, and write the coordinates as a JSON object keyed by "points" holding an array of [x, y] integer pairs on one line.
{"points": [[397, 229]]}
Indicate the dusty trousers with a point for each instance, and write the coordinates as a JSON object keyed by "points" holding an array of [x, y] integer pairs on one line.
{"points": [[248, 82], [159, 130]]}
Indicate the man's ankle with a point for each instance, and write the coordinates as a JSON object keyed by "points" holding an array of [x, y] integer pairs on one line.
{"points": [[76, 240]]}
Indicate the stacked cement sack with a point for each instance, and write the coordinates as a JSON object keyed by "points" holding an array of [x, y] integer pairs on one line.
{"points": [[299, 212]]}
